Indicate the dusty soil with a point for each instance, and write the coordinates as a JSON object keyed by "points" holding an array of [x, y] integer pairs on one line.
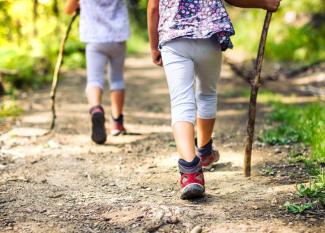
{"points": [[63, 182]]}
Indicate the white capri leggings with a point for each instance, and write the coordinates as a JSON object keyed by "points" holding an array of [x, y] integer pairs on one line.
{"points": [[192, 67], [98, 55]]}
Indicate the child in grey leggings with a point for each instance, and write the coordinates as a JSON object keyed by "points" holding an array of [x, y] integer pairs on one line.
{"points": [[187, 37], [104, 27], [98, 56]]}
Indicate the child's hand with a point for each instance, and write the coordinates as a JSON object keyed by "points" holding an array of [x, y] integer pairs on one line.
{"points": [[271, 5], [156, 57], [71, 6]]}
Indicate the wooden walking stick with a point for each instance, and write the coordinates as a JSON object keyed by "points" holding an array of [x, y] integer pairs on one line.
{"points": [[58, 65], [255, 84]]}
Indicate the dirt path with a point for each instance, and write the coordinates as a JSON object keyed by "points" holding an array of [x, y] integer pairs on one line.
{"points": [[65, 183]]}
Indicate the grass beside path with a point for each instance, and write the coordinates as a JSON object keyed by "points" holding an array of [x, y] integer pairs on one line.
{"points": [[295, 124], [305, 125]]}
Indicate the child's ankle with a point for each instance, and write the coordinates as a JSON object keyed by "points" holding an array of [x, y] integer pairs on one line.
{"points": [[96, 109], [206, 149], [119, 119], [190, 167]]}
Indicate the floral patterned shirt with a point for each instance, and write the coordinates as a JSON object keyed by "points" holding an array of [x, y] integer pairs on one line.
{"points": [[194, 19], [104, 21]]}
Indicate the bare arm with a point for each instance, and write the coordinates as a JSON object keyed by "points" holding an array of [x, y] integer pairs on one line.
{"points": [[270, 5], [153, 21], [71, 6]]}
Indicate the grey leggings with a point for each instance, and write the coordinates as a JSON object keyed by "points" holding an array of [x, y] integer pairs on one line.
{"points": [[192, 67], [98, 55]]}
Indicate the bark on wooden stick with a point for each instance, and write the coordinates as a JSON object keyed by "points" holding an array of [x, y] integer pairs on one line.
{"points": [[253, 96], [58, 65]]}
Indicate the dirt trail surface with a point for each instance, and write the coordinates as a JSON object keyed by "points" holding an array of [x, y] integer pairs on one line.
{"points": [[64, 183]]}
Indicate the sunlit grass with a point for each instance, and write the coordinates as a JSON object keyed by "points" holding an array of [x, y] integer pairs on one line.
{"points": [[304, 124]]}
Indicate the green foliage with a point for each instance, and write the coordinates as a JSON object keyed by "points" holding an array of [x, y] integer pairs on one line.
{"points": [[137, 44], [315, 189], [32, 70], [281, 135], [297, 31], [305, 124], [298, 124], [9, 108], [30, 43], [296, 157], [295, 208], [313, 192], [269, 171], [138, 15]]}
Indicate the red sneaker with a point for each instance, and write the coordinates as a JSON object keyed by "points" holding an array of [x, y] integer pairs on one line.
{"points": [[207, 160], [117, 126], [207, 154], [192, 185]]}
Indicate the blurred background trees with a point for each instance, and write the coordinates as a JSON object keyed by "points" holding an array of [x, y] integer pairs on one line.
{"points": [[30, 32]]}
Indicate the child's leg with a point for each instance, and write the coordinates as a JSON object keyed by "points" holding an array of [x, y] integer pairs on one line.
{"points": [[204, 131], [208, 65], [117, 99], [179, 69], [116, 53], [96, 63], [184, 136], [94, 95], [117, 86]]}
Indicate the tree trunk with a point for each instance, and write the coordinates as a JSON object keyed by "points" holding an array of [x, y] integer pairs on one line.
{"points": [[18, 31], [2, 88], [35, 16], [55, 8]]}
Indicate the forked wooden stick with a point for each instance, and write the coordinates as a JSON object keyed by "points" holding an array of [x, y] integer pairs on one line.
{"points": [[58, 65], [256, 83]]}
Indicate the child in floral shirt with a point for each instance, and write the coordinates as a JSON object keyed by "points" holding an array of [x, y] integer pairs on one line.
{"points": [[187, 38]]}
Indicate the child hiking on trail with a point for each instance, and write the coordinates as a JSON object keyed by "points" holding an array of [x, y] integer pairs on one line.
{"points": [[187, 38], [104, 27]]}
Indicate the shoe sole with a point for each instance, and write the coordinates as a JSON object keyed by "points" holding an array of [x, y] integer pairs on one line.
{"points": [[98, 129], [192, 191], [118, 132]]}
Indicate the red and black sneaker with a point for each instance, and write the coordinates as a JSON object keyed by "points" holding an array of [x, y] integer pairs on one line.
{"points": [[192, 185], [207, 160], [117, 126], [98, 131], [207, 154], [192, 179]]}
